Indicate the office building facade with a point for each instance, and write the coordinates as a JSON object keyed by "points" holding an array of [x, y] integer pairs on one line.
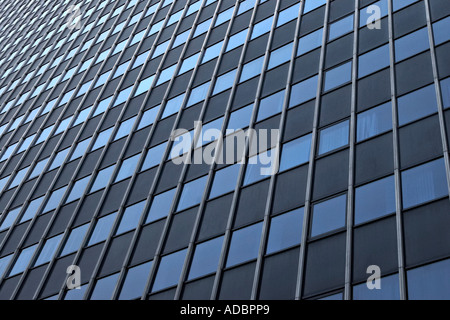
{"points": [[108, 191]]}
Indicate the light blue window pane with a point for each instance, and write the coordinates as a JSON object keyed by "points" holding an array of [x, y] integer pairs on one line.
{"points": [[174, 17], [295, 152], [44, 135], [237, 40], [181, 38], [258, 166], [130, 218], [445, 88], [125, 128], [127, 168], [23, 260], [398, 4], [73, 243], [169, 270], [212, 52], [389, 290], [76, 294], [102, 229], [18, 178], [287, 15], [375, 200], [204, 139], [102, 138], [4, 263], [224, 16], [78, 189], [373, 61], [198, 94], [280, 56], [262, 27], [121, 69], [123, 96], [154, 156], [82, 116], [341, 27], [440, 31], [173, 106], [367, 16], [160, 49], [417, 104], [148, 117], [430, 282], [338, 76], [104, 288], [102, 106], [225, 81], [38, 168], [26, 143], [155, 28], [303, 91], [32, 209], [285, 231], [333, 137], [135, 282], [192, 193], [55, 199], [202, 28], [3, 182], [333, 297], [206, 258], [48, 251], [374, 121], [244, 245], [411, 44], [329, 215], [224, 180], [193, 8], [240, 118], [252, 69], [160, 206], [10, 218], [424, 183], [312, 4], [246, 5], [166, 74], [188, 63], [102, 178], [80, 149]]}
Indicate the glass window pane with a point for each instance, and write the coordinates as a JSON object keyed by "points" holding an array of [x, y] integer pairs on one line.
{"points": [[104, 288], [338, 76], [329, 215], [224, 180], [102, 229], [374, 121], [310, 41], [161, 206], [430, 282], [192, 193], [295, 152], [135, 282], [411, 44], [74, 241], [341, 27], [48, 250], [244, 244], [169, 270], [23, 260], [206, 258], [417, 104], [373, 61], [334, 137], [271, 105], [389, 290], [130, 218], [285, 231], [303, 91]]}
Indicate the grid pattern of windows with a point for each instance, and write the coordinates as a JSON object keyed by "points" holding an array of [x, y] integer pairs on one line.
{"points": [[89, 170]]}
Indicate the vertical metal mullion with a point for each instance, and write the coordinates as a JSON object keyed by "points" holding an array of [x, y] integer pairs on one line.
{"points": [[352, 161], [396, 148], [312, 158]]}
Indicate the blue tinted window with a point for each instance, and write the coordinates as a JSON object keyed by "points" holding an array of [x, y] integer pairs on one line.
{"points": [[123, 96], [389, 290], [244, 244], [260, 166], [102, 139], [313, 4], [375, 200], [192, 193], [80, 149], [329, 215], [76, 294], [127, 168], [224, 16], [251, 69], [424, 183], [430, 282], [23, 260], [310, 42], [341, 27], [287, 15], [102, 178], [237, 39], [440, 30], [224, 180], [240, 119], [262, 27], [55, 199], [154, 156], [303, 91], [125, 128], [198, 94], [102, 229], [78, 189], [135, 282], [166, 74], [271, 105], [48, 250], [148, 117], [338, 76], [285, 231], [417, 104], [4, 263], [169, 270], [280, 56], [188, 63], [398, 4], [374, 121], [224, 82], [445, 87], [333, 137], [74, 241], [411, 44], [373, 61], [130, 217], [102, 106], [295, 152], [104, 288], [10, 218], [144, 85], [206, 258], [32, 209], [160, 206], [212, 52], [366, 15]]}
